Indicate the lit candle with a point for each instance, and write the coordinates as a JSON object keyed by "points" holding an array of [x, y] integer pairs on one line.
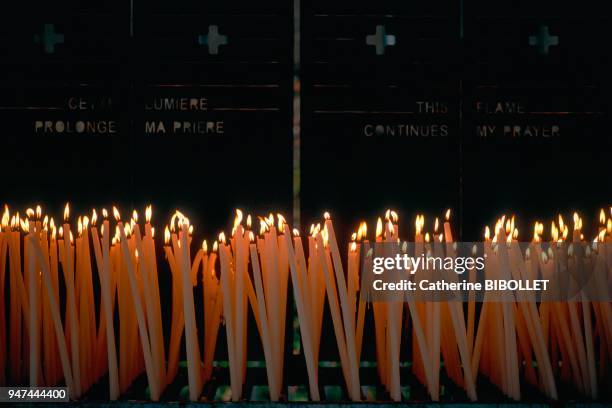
{"points": [[305, 321], [33, 303], [191, 340], [55, 314], [228, 311], [177, 310], [102, 256], [265, 331], [140, 318], [349, 320], [68, 267]]}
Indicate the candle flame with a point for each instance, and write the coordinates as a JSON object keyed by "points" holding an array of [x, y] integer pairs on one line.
{"points": [[53, 232], [353, 236], [602, 217], [379, 228], [127, 229], [102, 230], [609, 226], [45, 222], [85, 222], [326, 215], [30, 213], [190, 229], [362, 232], [25, 225], [487, 233], [116, 214], [353, 247], [238, 218], [205, 246], [222, 237], [263, 226], [447, 215], [80, 226], [554, 232], [215, 246], [565, 232], [6, 217], [296, 232], [427, 239], [248, 221], [577, 221], [602, 235], [94, 217], [537, 231], [418, 223], [561, 223], [394, 217], [71, 237], [387, 215], [61, 232], [251, 236], [166, 235], [38, 211], [499, 225], [436, 224], [148, 213], [67, 212], [281, 222], [135, 215], [104, 213]]}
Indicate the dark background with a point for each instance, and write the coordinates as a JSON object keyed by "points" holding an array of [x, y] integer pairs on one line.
{"points": [[456, 53], [132, 52]]}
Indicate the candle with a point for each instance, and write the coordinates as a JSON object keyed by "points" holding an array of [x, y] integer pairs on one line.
{"points": [[33, 303], [228, 312], [149, 303], [335, 310], [156, 329], [240, 265], [349, 320], [191, 341], [456, 312], [140, 318], [305, 329], [68, 267], [177, 310], [102, 256], [3, 251], [265, 331], [55, 314]]}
